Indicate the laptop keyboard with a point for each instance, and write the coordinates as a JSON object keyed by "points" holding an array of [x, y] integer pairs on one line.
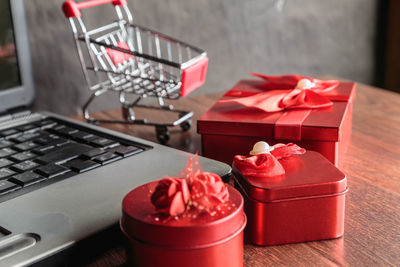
{"points": [[40, 153]]}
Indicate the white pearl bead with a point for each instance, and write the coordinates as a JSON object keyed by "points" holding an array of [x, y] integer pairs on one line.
{"points": [[305, 84], [261, 147]]}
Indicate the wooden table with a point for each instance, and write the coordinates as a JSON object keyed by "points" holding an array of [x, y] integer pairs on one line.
{"points": [[372, 165]]}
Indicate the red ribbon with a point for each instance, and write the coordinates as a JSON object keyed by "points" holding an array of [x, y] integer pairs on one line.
{"points": [[266, 165], [280, 93]]}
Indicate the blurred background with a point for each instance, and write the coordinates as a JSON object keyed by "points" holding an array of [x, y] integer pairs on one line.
{"points": [[354, 40]]}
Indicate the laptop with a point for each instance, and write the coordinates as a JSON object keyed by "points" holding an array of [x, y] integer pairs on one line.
{"points": [[62, 181]]}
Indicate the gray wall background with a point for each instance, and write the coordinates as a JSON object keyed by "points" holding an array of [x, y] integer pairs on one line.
{"points": [[308, 37]]}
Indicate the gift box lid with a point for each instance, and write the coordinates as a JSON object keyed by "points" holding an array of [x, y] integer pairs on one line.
{"points": [[307, 175], [141, 221], [322, 124]]}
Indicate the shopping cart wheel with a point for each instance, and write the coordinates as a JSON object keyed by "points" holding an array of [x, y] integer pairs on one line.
{"points": [[186, 125], [128, 113], [162, 134]]}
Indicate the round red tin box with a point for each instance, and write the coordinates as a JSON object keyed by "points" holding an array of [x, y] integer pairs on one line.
{"points": [[306, 204], [205, 241]]}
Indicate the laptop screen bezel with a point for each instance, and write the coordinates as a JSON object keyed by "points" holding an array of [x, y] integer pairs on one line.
{"points": [[21, 95]]}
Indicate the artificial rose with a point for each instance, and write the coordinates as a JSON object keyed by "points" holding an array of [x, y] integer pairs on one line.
{"points": [[207, 191], [171, 196], [196, 191]]}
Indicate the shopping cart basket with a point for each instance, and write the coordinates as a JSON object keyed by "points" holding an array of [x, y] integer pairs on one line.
{"points": [[135, 62]]}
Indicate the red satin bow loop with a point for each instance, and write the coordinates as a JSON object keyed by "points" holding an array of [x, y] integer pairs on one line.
{"points": [[266, 165], [286, 92], [282, 151], [290, 82]]}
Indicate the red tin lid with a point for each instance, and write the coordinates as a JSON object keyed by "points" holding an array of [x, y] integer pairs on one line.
{"points": [[306, 175], [139, 221], [234, 119]]}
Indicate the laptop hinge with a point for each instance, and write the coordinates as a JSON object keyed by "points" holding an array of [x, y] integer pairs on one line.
{"points": [[13, 114]]}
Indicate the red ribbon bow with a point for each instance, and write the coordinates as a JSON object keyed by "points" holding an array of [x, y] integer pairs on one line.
{"points": [[266, 165], [283, 92]]}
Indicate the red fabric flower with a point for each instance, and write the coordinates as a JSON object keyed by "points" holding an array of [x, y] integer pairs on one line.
{"points": [[261, 166], [266, 165], [203, 191], [171, 196], [208, 191]]}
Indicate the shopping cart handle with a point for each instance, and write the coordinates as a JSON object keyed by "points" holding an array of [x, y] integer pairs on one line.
{"points": [[72, 9]]}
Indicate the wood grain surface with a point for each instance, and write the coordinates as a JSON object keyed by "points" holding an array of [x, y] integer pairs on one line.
{"points": [[372, 165]]}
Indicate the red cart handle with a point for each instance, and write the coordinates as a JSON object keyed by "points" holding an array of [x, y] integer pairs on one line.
{"points": [[72, 9]]}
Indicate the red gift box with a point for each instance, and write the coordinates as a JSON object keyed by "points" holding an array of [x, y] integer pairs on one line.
{"points": [[229, 128], [209, 240], [306, 203]]}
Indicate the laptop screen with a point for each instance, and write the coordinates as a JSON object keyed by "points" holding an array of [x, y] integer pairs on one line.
{"points": [[9, 71], [16, 80]]}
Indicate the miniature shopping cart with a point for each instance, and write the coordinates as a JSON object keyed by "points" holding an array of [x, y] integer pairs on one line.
{"points": [[135, 62]]}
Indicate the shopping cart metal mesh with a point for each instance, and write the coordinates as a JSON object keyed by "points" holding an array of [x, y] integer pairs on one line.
{"points": [[130, 59]]}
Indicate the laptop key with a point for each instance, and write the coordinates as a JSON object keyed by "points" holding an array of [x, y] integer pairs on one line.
{"points": [[43, 149], [46, 123], [64, 130], [6, 172], [107, 158], [125, 151], [43, 139], [5, 162], [8, 132], [58, 141], [6, 152], [26, 178], [25, 146], [57, 128], [25, 166], [68, 131], [22, 156], [50, 139], [91, 138], [94, 152], [5, 143], [81, 135], [51, 170], [27, 127], [64, 153], [25, 137], [103, 142], [80, 166], [6, 187]]}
